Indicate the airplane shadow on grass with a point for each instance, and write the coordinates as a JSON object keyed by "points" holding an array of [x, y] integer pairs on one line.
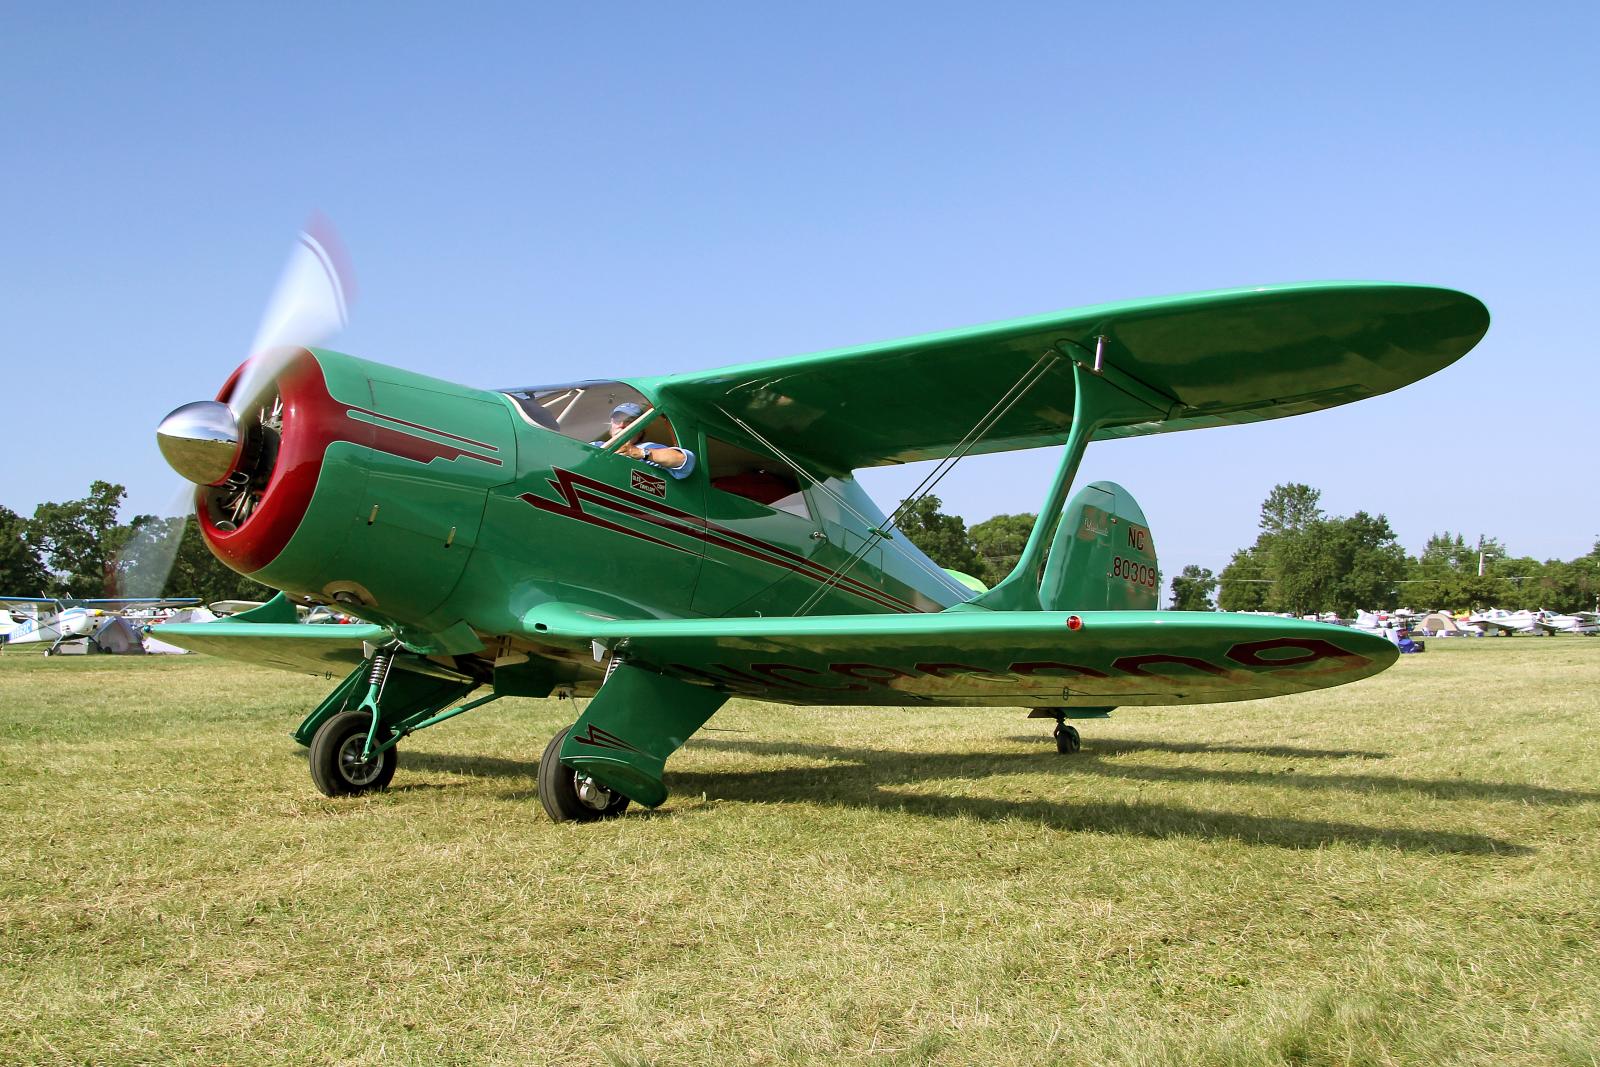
{"points": [[866, 777]]}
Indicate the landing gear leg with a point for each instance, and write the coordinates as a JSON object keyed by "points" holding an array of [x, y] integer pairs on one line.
{"points": [[353, 740]]}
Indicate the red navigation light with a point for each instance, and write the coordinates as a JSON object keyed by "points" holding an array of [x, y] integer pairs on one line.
{"points": [[1074, 623]]}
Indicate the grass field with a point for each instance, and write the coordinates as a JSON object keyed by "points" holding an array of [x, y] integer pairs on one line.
{"points": [[1405, 870]]}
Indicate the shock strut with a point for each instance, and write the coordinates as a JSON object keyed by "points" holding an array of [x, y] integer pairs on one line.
{"points": [[377, 678]]}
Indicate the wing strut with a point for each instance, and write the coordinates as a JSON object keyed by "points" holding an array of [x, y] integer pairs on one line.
{"points": [[1101, 394]]}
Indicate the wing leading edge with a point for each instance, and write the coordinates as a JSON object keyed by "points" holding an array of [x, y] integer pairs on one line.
{"points": [[1204, 359], [1030, 659]]}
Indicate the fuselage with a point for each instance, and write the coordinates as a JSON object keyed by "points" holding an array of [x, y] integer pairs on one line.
{"points": [[449, 513]]}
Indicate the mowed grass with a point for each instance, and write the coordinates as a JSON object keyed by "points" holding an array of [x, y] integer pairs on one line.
{"points": [[1405, 870]]}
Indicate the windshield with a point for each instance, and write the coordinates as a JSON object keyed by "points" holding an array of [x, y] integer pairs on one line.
{"points": [[580, 410]]}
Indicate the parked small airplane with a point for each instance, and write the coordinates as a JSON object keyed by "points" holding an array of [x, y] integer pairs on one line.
{"points": [[1503, 623], [1579, 622], [36, 620], [666, 543]]}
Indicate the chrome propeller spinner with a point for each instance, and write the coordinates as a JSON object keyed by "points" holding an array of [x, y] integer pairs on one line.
{"points": [[201, 441]]}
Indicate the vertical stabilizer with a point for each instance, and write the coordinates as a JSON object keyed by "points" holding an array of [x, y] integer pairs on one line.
{"points": [[1103, 557]]}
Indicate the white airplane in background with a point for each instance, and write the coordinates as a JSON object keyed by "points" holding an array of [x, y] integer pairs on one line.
{"points": [[1579, 622], [1505, 623], [54, 620]]}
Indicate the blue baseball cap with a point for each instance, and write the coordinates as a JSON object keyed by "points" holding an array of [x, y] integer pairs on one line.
{"points": [[627, 412]]}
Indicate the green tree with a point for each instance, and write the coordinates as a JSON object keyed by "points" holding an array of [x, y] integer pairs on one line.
{"points": [[1368, 563], [999, 541], [1445, 574], [1290, 507], [1244, 582], [22, 572], [1191, 590], [943, 537], [1304, 562], [1303, 565], [75, 538]]}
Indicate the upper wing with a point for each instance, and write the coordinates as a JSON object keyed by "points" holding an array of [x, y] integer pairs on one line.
{"points": [[1037, 659], [1206, 359], [306, 648]]}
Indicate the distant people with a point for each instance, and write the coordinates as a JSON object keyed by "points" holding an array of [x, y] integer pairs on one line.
{"points": [[678, 462]]}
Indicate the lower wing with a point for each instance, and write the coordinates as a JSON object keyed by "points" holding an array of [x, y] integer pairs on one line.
{"points": [[1038, 659], [306, 648]]}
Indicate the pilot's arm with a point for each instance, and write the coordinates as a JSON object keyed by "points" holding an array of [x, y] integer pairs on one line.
{"points": [[678, 462]]}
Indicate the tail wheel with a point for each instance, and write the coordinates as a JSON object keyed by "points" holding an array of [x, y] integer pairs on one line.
{"points": [[572, 796], [337, 768], [1067, 739]]}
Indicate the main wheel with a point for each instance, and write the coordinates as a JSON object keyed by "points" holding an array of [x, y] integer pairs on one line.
{"points": [[337, 768], [572, 796], [1067, 739]]}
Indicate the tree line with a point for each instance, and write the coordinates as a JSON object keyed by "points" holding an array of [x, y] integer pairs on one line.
{"points": [[1305, 561], [78, 548]]}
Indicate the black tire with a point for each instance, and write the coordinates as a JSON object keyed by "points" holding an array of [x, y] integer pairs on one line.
{"points": [[1067, 739], [335, 757], [570, 796]]}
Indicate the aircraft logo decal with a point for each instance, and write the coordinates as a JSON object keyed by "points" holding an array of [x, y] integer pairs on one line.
{"points": [[576, 491], [646, 482]]}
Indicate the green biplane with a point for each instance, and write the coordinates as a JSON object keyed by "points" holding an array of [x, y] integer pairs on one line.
{"points": [[508, 543]]}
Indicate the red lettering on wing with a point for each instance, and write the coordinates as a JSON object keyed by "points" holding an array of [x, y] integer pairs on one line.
{"points": [[863, 672], [1249, 654], [1137, 664]]}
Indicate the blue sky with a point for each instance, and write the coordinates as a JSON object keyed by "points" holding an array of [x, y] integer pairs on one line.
{"points": [[539, 193]]}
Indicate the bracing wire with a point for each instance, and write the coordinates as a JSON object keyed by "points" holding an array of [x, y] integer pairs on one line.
{"points": [[959, 451]]}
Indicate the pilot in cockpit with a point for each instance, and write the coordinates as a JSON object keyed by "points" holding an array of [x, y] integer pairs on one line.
{"points": [[678, 462]]}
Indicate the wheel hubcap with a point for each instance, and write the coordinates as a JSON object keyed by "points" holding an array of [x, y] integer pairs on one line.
{"points": [[354, 769], [591, 794]]}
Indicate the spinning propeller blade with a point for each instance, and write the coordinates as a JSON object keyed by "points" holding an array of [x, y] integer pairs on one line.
{"points": [[310, 305], [208, 442], [143, 564]]}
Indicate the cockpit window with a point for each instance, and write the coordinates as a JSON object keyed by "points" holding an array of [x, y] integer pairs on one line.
{"points": [[581, 410], [756, 477]]}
